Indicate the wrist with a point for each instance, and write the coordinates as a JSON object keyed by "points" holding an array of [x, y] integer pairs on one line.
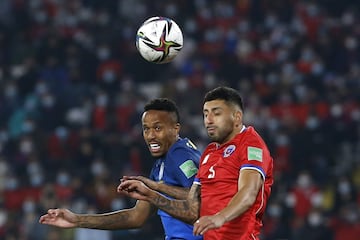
{"points": [[80, 221], [158, 185], [223, 216]]}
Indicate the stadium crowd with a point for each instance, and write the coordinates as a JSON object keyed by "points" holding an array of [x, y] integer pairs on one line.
{"points": [[73, 87]]}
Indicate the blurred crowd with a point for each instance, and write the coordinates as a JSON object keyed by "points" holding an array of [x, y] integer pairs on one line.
{"points": [[73, 87]]}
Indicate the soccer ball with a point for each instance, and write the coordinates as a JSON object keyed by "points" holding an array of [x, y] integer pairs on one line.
{"points": [[159, 40]]}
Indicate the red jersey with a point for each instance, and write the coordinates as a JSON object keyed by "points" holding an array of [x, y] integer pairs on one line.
{"points": [[219, 171]]}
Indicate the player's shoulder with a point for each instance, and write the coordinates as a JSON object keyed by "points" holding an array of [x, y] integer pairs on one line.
{"points": [[248, 134], [183, 144]]}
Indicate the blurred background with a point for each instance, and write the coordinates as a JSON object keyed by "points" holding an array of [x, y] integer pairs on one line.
{"points": [[73, 87]]}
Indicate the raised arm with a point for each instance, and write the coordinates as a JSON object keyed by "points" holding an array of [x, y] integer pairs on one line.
{"points": [[172, 191], [185, 210], [122, 219]]}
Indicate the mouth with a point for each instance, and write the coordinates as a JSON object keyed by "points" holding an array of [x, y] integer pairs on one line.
{"points": [[211, 129], [154, 147]]}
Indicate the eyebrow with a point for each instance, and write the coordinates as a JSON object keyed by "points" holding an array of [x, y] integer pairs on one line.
{"points": [[213, 109]]}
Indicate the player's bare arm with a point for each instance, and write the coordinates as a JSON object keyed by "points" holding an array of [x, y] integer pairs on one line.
{"points": [[185, 210], [122, 219], [249, 184], [172, 191]]}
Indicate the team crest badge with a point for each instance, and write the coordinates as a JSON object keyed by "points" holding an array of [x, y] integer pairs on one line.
{"points": [[229, 150]]}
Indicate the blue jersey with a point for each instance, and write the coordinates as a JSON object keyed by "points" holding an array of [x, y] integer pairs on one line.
{"points": [[177, 168]]}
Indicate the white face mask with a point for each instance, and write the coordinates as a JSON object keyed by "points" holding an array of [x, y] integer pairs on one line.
{"points": [[28, 206], [36, 180], [3, 217], [10, 91], [103, 53], [336, 110], [101, 100], [61, 133], [63, 179], [98, 168], [41, 88], [312, 122], [274, 210], [344, 187], [315, 219], [28, 127], [48, 101], [4, 136], [304, 181], [109, 76], [11, 183]]}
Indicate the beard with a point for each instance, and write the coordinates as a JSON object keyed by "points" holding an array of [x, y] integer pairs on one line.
{"points": [[221, 135]]}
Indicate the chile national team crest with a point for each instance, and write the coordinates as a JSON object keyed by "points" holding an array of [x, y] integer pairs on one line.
{"points": [[229, 150]]}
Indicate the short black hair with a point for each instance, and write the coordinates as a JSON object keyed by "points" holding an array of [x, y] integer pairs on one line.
{"points": [[227, 94], [163, 104]]}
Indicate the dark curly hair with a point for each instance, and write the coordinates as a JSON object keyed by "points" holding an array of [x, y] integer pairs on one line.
{"points": [[163, 104], [227, 94]]}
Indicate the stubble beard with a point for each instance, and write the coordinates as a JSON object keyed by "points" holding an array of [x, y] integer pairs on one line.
{"points": [[220, 136]]}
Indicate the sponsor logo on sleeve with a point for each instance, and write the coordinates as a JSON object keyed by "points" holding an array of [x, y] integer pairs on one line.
{"points": [[255, 153], [188, 168]]}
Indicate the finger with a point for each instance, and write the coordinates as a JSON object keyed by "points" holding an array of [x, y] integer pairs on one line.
{"points": [[124, 178], [53, 212], [124, 184], [197, 228], [133, 178], [207, 226]]}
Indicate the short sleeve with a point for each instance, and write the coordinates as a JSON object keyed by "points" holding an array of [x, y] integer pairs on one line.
{"points": [[184, 166]]}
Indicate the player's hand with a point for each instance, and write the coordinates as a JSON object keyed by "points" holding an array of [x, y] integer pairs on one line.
{"points": [[206, 223], [135, 189], [63, 218], [148, 182]]}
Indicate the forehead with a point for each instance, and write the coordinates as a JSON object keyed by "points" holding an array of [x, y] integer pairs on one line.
{"points": [[215, 104], [156, 116]]}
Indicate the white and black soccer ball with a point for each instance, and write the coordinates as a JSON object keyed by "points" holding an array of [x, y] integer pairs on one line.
{"points": [[159, 40]]}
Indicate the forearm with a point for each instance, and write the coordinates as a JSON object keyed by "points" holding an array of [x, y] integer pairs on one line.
{"points": [[180, 209], [185, 210], [173, 191], [237, 206], [249, 185], [108, 221]]}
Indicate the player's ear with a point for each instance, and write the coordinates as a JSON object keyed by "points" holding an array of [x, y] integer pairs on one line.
{"points": [[238, 117], [177, 128]]}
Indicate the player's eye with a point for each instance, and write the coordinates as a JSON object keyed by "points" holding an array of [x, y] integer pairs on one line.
{"points": [[217, 113]]}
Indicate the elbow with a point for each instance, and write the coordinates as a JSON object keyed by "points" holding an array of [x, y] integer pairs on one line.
{"points": [[137, 224]]}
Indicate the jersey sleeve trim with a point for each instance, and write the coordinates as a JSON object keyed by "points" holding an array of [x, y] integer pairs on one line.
{"points": [[253, 167], [197, 181]]}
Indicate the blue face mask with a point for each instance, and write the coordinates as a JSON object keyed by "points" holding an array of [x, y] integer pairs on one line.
{"points": [[11, 183], [103, 53], [61, 133], [63, 179], [28, 206], [10, 91], [27, 127], [109, 76]]}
